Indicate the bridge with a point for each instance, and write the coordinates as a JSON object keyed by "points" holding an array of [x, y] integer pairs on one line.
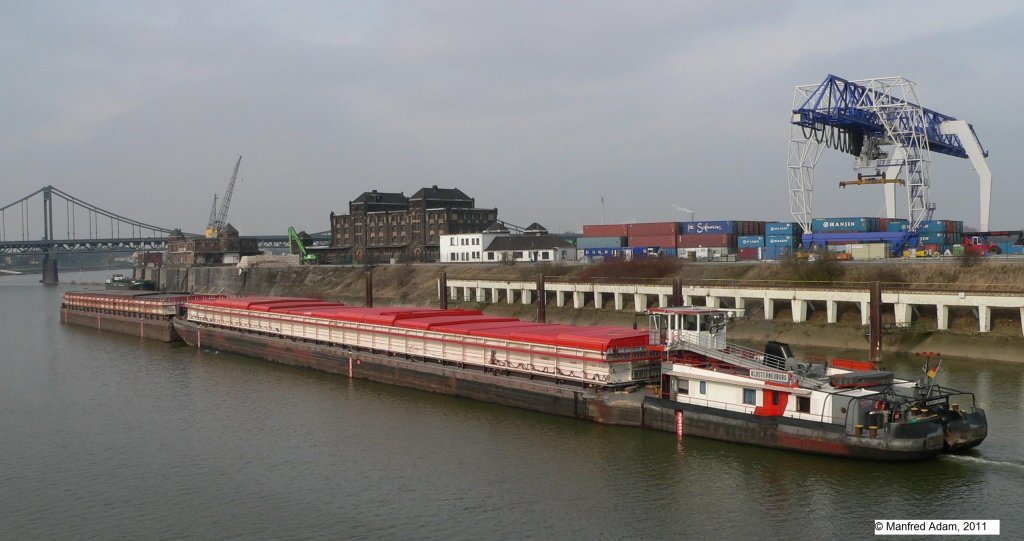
{"points": [[86, 227]]}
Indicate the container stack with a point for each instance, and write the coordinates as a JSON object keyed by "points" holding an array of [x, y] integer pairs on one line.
{"points": [[655, 237], [603, 240], [780, 239], [717, 239], [937, 236]]}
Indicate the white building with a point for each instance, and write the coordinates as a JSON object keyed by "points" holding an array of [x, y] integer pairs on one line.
{"points": [[535, 244], [469, 247]]}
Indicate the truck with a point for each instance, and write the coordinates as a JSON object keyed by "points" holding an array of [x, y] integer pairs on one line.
{"points": [[982, 243]]}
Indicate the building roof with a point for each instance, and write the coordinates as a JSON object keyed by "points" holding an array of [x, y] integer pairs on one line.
{"points": [[497, 227], [536, 229], [527, 242], [434, 193], [386, 198]]}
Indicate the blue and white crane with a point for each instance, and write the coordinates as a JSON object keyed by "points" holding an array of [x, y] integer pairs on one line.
{"points": [[882, 124]]}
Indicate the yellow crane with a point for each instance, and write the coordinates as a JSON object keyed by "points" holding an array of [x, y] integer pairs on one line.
{"points": [[871, 179]]}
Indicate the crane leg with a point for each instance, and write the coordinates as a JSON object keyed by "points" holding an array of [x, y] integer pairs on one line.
{"points": [[899, 157], [969, 140]]}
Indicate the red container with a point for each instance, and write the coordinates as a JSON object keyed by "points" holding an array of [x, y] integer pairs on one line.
{"points": [[654, 228], [706, 241], [651, 241], [606, 230], [748, 253]]}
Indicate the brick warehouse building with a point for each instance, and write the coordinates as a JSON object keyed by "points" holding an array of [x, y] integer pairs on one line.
{"points": [[381, 226]]}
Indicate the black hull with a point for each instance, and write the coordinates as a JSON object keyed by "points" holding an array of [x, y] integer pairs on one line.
{"points": [[901, 443]]}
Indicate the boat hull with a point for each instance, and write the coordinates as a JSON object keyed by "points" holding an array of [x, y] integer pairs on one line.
{"points": [[902, 442], [964, 430], [494, 386], [153, 328]]}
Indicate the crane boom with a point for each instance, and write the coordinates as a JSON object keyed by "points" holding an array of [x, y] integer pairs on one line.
{"points": [[218, 220]]}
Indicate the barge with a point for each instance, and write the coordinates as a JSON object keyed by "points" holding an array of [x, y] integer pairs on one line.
{"points": [[145, 314], [680, 375]]}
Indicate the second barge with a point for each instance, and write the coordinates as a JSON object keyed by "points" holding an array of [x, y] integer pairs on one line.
{"points": [[145, 314]]}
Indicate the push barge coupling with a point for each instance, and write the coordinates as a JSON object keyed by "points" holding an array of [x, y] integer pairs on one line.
{"points": [[681, 375]]}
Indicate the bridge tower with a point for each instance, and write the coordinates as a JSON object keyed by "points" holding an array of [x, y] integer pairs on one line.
{"points": [[49, 255]]}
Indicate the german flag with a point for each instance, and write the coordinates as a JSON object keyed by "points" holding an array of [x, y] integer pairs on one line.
{"points": [[932, 371]]}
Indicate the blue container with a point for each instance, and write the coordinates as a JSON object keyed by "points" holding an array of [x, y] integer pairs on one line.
{"points": [[750, 241], [727, 227], [780, 228], [780, 240], [933, 238], [775, 252], [600, 242], [895, 226], [668, 252], [1016, 249], [837, 225]]}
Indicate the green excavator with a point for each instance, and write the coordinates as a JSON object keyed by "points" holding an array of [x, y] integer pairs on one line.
{"points": [[306, 257]]}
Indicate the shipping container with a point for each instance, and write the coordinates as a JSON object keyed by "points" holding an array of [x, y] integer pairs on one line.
{"points": [[653, 229], [747, 254], [781, 228], [833, 225], [780, 240], [935, 238], [602, 252], [775, 252], [600, 242], [935, 226], [660, 241], [706, 241], [1016, 249], [749, 241], [668, 252], [896, 225], [749, 228], [721, 227], [606, 230]]}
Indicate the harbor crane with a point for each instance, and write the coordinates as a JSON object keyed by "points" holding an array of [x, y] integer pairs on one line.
{"points": [[219, 216], [882, 124]]}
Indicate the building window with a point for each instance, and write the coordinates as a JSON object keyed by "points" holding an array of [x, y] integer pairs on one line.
{"points": [[703, 387], [490, 256], [750, 397], [545, 255], [517, 255], [803, 404]]}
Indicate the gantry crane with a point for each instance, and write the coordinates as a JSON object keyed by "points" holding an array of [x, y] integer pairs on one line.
{"points": [[865, 117], [219, 217]]}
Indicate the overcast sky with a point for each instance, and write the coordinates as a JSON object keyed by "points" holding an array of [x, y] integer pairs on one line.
{"points": [[537, 108]]}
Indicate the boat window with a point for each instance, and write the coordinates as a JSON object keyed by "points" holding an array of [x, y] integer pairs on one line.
{"points": [[690, 322], [683, 386], [703, 387], [775, 398], [803, 404], [749, 397]]}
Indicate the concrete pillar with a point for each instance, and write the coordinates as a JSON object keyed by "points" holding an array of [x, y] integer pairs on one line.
{"points": [[741, 306], [495, 295], [560, 299], [467, 293], [453, 293], [942, 316], [510, 295], [481, 294], [799, 310], [865, 312], [598, 300], [712, 302], [984, 319], [663, 300], [618, 300], [527, 295], [769, 308], [904, 312], [687, 300], [1022, 320], [831, 311], [639, 302], [579, 299]]}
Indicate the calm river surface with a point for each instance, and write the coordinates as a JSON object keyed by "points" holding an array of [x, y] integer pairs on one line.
{"points": [[104, 436]]}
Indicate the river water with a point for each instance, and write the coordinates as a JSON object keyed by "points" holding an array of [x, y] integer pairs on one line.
{"points": [[104, 436]]}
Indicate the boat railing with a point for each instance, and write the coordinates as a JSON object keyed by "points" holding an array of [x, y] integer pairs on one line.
{"points": [[707, 345]]}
